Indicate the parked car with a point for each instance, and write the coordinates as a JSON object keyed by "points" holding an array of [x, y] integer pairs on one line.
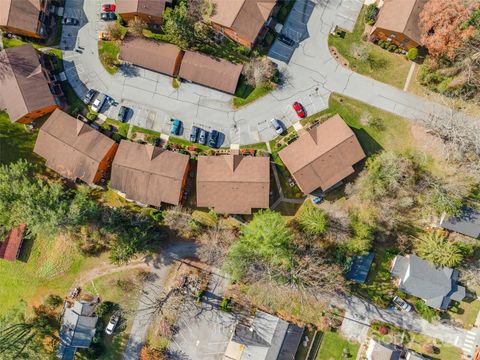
{"points": [[213, 140], [123, 113], [194, 133], [176, 126], [108, 16], [112, 324], [286, 40], [317, 199], [69, 21], [87, 98], [402, 304], [299, 109], [108, 7], [99, 102], [202, 137], [277, 125]]}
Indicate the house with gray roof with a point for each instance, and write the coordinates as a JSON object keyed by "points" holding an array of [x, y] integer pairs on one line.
{"points": [[466, 223], [77, 329], [381, 351], [437, 286], [266, 338]]}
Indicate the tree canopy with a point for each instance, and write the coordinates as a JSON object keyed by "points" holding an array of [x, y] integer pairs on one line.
{"points": [[312, 220], [436, 248], [179, 26]]}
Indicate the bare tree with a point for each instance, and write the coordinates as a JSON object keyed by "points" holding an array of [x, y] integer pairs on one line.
{"points": [[259, 71], [114, 30], [136, 26]]}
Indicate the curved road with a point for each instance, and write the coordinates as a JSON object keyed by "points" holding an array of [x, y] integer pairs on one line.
{"points": [[311, 75]]}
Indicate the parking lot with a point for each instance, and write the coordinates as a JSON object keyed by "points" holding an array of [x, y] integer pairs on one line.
{"points": [[295, 28]]}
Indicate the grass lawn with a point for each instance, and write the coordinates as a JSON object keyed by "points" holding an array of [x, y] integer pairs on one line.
{"points": [[333, 345], [245, 94], [109, 50], [15, 142], [257, 146], [183, 142], [45, 266], [415, 341], [8, 43], [467, 311], [121, 126], [380, 64], [122, 288]]}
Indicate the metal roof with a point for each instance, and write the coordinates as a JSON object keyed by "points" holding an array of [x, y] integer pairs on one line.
{"points": [[467, 223], [360, 267]]}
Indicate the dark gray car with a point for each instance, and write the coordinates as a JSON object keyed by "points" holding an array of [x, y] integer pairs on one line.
{"points": [[194, 133]]}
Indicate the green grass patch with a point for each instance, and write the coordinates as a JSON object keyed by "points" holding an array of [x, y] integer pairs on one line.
{"points": [[369, 59], [121, 126], [75, 104], [15, 142], [334, 346], [10, 42], [108, 52], [257, 146], [45, 266], [145, 131], [465, 312], [183, 142], [246, 94]]}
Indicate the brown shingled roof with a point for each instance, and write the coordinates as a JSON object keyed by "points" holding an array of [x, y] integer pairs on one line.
{"points": [[20, 14], [23, 85], [401, 16], [233, 184], [148, 174], [246, 17], [10, 247], [72, 148], [153, 55], [323, 156], [147, 7], [208, 71]]}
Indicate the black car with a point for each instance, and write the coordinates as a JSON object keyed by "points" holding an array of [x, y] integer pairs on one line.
{"points": [[194, 134], [108, 16], [69, 21], [286, 40], [123, 113], [87, 98], [202, 137], [213, 141]]}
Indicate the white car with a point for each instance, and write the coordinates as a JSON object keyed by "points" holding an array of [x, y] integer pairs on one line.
{"points": [[99, 102], [277, 125], [112, 324], [402, 304]]}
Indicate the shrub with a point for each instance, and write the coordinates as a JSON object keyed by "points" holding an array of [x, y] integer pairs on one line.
{"points": [[92, 116], [425, 311], [225, 304], [371, 14], [117, 137], [383, 330], [392, 47], [156, 215], [312, 220], [380, 42]]}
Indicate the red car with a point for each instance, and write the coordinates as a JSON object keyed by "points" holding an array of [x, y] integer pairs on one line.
{"points": [[108, 7], [299, 109]]}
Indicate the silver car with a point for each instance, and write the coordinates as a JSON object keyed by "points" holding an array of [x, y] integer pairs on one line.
{"points": [[112, 324], [402, 304], [99, 102], [278, 126]]}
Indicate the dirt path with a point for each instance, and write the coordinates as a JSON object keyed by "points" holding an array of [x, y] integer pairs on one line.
{"points": [[107, 269]]}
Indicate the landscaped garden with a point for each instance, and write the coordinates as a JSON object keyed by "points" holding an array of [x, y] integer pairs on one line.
{"points": [[369, 59]]}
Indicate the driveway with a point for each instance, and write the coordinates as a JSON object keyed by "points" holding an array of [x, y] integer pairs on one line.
{"points": [[311, 75]]}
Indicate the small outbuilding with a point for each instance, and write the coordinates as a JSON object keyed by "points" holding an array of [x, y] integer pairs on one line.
{"points": [[466, 223], [12, 244], [360, 267]]}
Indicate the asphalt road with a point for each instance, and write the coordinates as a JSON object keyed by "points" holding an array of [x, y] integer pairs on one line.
{"points": [[311, 75]]}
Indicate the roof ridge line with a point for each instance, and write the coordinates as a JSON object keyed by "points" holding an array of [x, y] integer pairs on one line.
{"points": [[129, 167], [409, 15], [16, 78]]}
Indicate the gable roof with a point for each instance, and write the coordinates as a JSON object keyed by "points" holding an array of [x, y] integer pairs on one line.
{"points": [[380, 351], [215, 73], [245, 17], [153, 55], [10, 247], [436, 285], [233, 184], [71, 147], [267, 338], [148, 174], [323, 156], [467, 223], [402, 17], [146, 7], [20, 14], [23, 85], [77, 329]]}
